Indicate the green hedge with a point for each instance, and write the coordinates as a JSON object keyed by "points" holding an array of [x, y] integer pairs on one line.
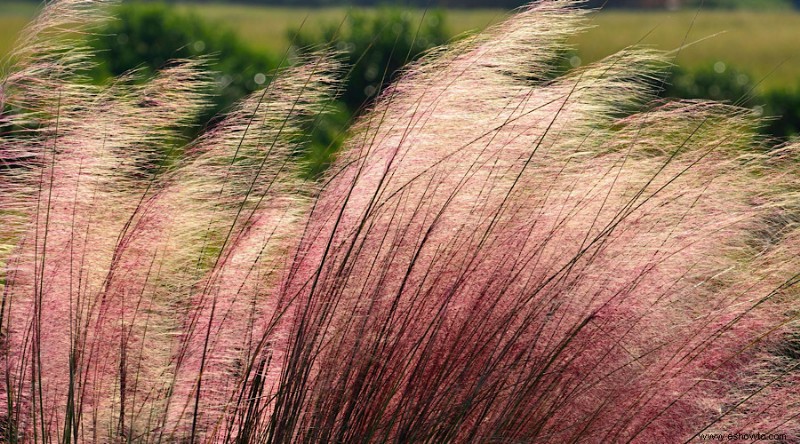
{"points": [[146, 36], [780, 107]]}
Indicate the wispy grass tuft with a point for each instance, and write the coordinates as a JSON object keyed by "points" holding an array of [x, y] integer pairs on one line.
{"points": [[495, 256]]}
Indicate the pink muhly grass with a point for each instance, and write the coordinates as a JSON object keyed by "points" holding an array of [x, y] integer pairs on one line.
{"points": [[496, 256]]}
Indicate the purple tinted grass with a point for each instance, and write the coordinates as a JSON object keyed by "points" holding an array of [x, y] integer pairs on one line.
{"points": [[497, 255]]}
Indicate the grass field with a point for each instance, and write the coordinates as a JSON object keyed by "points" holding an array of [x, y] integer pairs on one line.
{"points": [[764, 44], [13, 17]]}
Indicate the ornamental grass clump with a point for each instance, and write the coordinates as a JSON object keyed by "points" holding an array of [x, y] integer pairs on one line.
{"points": [[497, 254]]}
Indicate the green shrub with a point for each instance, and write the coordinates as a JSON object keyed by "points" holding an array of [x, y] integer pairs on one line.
{"points": [[783, 107], [147, 35], [716, 82], [326, 133], [375, 46]]}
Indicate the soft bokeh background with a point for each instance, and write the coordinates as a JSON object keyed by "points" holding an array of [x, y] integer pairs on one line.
{"points": [[740, 51]]}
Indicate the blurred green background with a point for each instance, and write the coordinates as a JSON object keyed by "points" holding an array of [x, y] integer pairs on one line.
{"points": [[742, 51]]}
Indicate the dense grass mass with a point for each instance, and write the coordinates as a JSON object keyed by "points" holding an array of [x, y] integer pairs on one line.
{"points": [[761, 43], [503, 251]]}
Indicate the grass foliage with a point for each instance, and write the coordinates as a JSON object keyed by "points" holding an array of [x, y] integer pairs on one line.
{"points": [[496, 255]]}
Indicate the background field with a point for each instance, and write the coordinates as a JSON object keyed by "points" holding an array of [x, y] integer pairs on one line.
{"points": [[763, 44], [13, 17]]}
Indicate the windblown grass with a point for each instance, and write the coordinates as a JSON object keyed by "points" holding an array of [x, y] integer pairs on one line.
{"points": [[496, 256]]}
